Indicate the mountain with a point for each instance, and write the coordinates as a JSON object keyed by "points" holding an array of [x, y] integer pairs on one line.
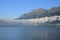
{"points": [[34, 14], [36, 17], [54, 11], [41, 12]]}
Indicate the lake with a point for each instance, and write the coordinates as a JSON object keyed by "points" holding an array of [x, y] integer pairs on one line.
{"points": [[29, 33]]}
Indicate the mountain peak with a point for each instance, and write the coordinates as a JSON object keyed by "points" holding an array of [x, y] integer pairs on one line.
{"points": [[39, 10]]}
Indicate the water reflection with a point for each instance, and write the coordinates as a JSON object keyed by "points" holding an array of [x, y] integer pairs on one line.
{"points": [[29, 33]]}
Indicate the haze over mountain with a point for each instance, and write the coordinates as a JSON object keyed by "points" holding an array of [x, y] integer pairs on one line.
{"points": [[30, 22], [34, 18], [41, 12]]}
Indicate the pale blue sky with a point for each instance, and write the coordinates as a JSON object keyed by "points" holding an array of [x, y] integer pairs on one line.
{"points": [[15, 8]]}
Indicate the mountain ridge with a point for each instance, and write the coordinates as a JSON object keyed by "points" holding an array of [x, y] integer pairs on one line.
{"points": [[41, 12]]}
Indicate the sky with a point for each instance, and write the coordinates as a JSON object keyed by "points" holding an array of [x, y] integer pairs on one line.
{"points": [[12, 9]]}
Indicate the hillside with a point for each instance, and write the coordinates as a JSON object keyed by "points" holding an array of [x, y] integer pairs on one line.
{"points": [[41, 12]]}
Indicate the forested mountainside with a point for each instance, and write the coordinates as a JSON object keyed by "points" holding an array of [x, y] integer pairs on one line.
{"points": [[41, 12]]}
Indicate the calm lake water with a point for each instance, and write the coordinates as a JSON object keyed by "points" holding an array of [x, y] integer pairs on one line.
{"points": [[29, 33]]}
